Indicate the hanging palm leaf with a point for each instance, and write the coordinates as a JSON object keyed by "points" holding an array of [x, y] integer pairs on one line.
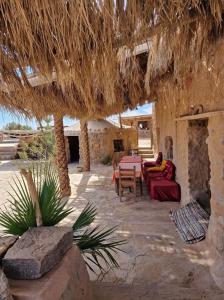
{"points": [[97, 245]]}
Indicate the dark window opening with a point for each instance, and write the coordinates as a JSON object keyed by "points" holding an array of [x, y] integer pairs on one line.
{"points": [[143, 125], [73, 148], [118, 145]]}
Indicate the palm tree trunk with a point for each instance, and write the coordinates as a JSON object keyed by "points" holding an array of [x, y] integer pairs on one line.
{"points": [[61, 157], [84, 145], [120, 121]]}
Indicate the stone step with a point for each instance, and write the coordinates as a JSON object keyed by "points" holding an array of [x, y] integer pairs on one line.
{"points": [[10, 141], [145, 151], [146, 155], [7, 156], [8, 151], [154, 291], [145, 148], [8, 147]]}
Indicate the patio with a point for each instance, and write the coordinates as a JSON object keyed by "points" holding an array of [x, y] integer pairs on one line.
{"points": [[157, 264]]}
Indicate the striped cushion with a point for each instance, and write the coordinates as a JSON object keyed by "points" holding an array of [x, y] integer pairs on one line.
{"points": [[191, 222]]}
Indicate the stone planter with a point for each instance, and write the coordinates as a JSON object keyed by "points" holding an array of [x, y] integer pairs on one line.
{"points": [[44, 265]]}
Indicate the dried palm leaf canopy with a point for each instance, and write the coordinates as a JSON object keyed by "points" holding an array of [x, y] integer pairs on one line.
{"points": [[79, 57]]}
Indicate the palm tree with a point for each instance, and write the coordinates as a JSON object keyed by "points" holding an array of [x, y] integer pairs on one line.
{"points": [[84, 145], [62, 163]]}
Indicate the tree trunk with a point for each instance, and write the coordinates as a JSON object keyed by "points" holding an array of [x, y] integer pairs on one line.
{"points": [[84, 145], [61, 157], [120, 121]]}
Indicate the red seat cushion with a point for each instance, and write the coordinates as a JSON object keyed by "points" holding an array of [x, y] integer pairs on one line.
{"points": [[164, 190]]}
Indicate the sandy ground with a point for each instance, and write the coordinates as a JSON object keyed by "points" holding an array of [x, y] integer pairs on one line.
{"points": [[156, 263]]}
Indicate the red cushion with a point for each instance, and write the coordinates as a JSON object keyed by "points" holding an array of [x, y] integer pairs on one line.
{"points": [[164, 190], [170, 169]]}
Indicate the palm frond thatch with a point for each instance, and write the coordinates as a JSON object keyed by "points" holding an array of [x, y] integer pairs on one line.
{"points": [[74, 48]]}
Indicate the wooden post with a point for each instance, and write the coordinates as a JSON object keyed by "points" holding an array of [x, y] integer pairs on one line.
{"points": [[33, 193]]}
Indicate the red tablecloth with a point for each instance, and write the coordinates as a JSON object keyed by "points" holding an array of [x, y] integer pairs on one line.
{"points": [[131, 159], [128, 162], [130, 165]]}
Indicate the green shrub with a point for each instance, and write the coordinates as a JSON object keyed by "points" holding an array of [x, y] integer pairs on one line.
{"points": [[107, 160], [38, 147]]}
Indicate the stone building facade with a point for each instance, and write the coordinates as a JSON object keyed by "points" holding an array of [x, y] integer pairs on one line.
{"points": [[104, 139], [192, 116], [142, 123]]}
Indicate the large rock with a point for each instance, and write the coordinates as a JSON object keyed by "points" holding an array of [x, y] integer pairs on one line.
{"points": [[69, 280], [37, 252], [5, 243], [4, 287]]}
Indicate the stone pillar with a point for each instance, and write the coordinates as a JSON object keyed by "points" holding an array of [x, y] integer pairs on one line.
{"points": [[216, 225]]}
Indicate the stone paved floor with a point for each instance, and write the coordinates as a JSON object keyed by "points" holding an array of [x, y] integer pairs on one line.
{"points": [[157, 264]]}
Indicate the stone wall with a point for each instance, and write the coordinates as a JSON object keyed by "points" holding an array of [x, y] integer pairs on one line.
{"points": [[101, 142], [216, 226]]}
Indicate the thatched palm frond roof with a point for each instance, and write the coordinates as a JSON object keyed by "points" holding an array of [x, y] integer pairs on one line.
{"points": [[83, 43]]}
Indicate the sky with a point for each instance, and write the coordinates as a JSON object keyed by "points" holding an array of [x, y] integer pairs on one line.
{"points": [[6, 117]]}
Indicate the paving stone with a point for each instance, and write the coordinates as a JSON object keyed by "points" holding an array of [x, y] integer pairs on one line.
{"points": [[37, 252], [4, 287]]}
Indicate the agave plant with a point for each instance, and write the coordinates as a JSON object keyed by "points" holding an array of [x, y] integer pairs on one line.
{"points": [[97, 245]]}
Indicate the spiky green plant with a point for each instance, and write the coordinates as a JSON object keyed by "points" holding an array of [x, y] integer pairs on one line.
{"points": [[20, 215], [97, 245]]}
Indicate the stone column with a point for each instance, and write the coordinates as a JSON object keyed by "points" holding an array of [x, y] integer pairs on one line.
{"points": [[216, 225]]}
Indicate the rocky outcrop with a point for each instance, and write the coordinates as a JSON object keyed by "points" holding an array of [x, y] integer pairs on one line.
{"points": [[37, 252], [68, 280]]}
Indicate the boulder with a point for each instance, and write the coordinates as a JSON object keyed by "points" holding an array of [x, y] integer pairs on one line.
{"points": [[4, 287], [5, 243], [37, 252], [69, 280]]}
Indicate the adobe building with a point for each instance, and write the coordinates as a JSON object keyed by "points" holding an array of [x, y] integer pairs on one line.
{"points": [[142, 123], [105, 138], [190, 131]]}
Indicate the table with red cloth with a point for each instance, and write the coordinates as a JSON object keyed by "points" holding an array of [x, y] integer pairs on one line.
{"points": [[131, 159], [128, 162]]}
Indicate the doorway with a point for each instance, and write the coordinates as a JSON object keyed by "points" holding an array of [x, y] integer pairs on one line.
{"points": [[199, 164], [73, 142]]}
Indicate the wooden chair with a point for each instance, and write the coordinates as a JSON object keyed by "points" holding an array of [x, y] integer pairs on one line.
{"points": [[127, 179]]}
